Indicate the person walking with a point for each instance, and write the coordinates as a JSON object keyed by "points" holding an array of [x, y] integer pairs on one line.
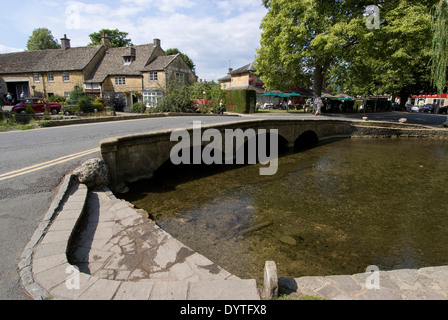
{"points": [[9, 98], [318, 104]]}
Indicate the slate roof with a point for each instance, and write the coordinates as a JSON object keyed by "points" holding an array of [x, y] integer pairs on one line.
{"points": [[248, 67], [47, 60], [160, 63], [112, 64]]}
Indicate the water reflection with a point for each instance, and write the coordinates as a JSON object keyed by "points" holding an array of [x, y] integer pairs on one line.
{"points": [[334, 209]]}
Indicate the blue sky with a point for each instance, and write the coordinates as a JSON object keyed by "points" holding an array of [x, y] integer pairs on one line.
{"points": [[210, 32]]}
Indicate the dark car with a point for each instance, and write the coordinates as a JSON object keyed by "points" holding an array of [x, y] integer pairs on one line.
{"points": [[443, 110], [38, 105], [427, 108]]}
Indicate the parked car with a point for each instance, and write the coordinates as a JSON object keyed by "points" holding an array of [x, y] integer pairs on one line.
{"points": [[38, 105], [443, 110], [427, 108], [416, 108]]}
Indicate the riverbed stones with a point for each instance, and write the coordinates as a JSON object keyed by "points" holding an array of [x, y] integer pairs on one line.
{"points": [[288, 240]]}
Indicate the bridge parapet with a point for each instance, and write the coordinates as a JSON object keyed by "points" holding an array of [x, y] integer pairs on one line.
{"points": [[136, 157]]}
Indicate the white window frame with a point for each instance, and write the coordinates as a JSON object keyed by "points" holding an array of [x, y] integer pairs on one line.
{"points": [[36, 77], [50, 77], [120, 81], [92, 86], [152, 98], [127, 61], [153, 76], [66, 77]]}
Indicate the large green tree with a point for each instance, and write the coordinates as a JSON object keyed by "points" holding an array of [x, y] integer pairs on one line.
{"points": [[332, 43], [42, 39], [297, 42], [116, 37], [439, 54]]}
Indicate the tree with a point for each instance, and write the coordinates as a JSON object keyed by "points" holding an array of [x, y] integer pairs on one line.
{"points": [[439, 53], [116, 37], [42, 39], [331, 43], [186, 58]]}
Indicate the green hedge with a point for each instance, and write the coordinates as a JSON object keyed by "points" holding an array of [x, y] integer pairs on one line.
{"points": [[241, 101]]}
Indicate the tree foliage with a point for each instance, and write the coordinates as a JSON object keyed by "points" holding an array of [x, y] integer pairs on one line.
{"points": [[116, 37], [330, 44], [439, 54], [42, 39]]}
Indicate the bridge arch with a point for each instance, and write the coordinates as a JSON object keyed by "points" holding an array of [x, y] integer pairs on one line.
{"points": [[137, 157]]}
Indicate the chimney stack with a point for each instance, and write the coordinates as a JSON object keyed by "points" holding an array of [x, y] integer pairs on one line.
{"points": [[157, 42], [65, 43], [105, 41]]}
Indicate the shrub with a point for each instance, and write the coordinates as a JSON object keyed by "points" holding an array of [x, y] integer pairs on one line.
{"points": [[29, 109], [241, 101], [117, 103], [138, 107], [56, 98], [85, 104]]}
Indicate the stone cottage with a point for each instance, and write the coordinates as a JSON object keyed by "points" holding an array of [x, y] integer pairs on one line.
{"points": [[137, 73]]}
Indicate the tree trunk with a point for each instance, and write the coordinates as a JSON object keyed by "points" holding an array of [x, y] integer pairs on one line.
{"points": [[404, 95], [318, 80]]}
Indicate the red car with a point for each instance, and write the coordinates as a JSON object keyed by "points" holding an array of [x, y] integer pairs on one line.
{"points": [[38, 105]]}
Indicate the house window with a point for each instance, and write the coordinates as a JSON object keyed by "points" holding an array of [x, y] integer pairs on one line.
{"points": [[92, 86], [50, 77], [152, 98], [36, 77], [65, 77], [120, 81], [180, 77], [127, 60], [153, 76], [67, 95]]}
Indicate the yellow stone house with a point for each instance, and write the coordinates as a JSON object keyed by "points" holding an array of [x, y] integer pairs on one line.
{"points": [[137, 73]]}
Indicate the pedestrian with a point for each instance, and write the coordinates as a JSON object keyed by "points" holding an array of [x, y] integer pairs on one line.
{"points": [[9, 98], [318, 103], [289, 104]]}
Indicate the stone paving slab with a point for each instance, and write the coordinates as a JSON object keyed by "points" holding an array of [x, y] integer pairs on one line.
{"points": [[406, 284], [97, 247]]}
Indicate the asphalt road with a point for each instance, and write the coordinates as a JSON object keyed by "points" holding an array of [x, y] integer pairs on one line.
{"points": [[25, 196]]}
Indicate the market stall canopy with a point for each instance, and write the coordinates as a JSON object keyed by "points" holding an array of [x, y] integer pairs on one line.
{"points": [[294, 94], [269, 94]]}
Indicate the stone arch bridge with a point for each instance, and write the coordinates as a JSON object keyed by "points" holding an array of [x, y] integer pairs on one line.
{"points": [[136, 157]]}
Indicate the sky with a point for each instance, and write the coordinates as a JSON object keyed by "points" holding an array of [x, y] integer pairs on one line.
{"points": [[215, 34]]}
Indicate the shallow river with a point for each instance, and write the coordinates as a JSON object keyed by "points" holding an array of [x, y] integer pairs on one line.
{"points": [[333, 209]]}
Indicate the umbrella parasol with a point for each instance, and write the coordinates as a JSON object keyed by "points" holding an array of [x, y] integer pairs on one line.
{"points": [[269, 94]]}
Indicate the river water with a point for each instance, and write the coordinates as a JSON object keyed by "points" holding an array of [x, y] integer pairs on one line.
{"points": [[334, 209]]}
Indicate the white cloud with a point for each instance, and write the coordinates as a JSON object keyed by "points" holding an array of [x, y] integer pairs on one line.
{"points": [[6, 49], [163, 5], [211, 32]]}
